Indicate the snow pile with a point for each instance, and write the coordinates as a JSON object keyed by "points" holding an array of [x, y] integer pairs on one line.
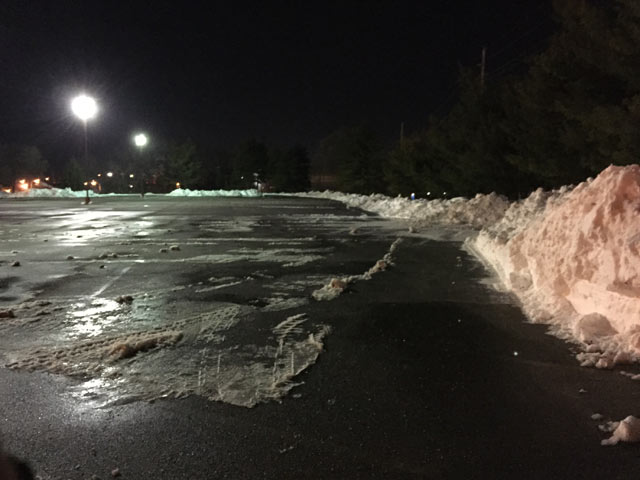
{"points": [[478, 212], [68, 193], [576, 263], [185, 192], [46, 193]]}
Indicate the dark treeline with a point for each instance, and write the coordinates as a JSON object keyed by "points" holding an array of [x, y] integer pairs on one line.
{"points": [[574, 110], [164, 166]]}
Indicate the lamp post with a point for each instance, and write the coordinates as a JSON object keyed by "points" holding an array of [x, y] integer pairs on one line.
{"points": [[85, 108], [141, 140]]}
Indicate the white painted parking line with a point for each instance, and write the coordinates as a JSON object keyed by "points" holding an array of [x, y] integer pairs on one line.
{"points": [[111, 282]]}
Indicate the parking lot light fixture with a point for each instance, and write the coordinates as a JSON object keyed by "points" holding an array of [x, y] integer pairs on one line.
{"points": [[85, 108]]}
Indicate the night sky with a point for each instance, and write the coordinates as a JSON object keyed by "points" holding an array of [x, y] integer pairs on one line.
{"points": [[223, 72]]}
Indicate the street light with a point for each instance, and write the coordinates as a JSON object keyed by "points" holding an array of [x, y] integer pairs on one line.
{"points": [[140, 140], [85, 108]]}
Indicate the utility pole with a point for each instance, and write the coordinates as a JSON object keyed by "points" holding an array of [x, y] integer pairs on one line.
{"points": [[482, 68]]}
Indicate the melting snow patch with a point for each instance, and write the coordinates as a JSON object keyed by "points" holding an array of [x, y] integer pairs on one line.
{"points": [[145, 352]]}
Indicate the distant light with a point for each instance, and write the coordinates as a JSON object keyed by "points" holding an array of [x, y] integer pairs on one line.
{"points": [[99, 174], [444, 193], [109, 174], [36, 181], [23, 186], [86, 184], [84, 107], [46, 179], [6, 190], [140, 140], [131, 175], [177, 184], [22, 181], [515, 354], [413, 196], [428, 193], [130, 186], [93, 183]]}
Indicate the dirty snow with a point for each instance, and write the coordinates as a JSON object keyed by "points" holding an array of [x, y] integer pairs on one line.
{"points": [[337, 285], [122, 353]]}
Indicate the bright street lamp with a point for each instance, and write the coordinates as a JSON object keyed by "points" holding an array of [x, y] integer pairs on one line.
{"points": [[140, 140], [85, 108]]}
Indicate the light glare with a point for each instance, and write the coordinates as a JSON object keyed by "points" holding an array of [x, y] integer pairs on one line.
{"points": [[140, 140], [84, 107]]}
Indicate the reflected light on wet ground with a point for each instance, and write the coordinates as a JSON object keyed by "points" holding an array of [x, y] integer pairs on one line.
{"points": [[87, 226], [89, 319]]}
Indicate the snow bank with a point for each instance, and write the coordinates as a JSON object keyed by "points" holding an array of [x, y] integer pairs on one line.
{"points": [[46, 193], [477, 212], [574, 261], [185, 192], [572, 256], [68, 193]]}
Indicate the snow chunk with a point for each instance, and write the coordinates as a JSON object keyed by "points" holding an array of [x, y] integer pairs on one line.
{"points": [[331, 290], [130, 349], [628, 430]]}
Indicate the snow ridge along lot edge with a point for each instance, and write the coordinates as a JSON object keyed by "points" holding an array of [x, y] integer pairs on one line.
{"points": [[571, 256]]}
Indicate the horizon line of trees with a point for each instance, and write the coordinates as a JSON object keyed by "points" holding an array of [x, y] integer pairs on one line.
{"points": [[165, 166]]}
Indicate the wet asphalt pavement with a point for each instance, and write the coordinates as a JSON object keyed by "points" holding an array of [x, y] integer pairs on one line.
{"points": [[427, 373]]}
